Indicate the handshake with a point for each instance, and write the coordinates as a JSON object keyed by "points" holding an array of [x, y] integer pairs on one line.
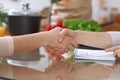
{"points": [[60, 40]]}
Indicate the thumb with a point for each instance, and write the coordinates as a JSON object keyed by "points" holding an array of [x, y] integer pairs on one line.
{"points": [[62, 34], [113, 48], [110, 49]]}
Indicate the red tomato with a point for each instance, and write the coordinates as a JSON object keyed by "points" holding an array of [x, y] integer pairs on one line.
{"points": [[48, 27], [59, 23]]}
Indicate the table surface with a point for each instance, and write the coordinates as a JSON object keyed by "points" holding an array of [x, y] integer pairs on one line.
{"points": [[64, 71], [79, 70]]}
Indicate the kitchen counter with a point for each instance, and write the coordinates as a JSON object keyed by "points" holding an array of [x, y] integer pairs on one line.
{"points": [[63, 71], [44, 70]]}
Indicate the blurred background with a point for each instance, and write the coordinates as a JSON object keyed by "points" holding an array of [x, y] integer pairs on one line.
{"points": [[102, 11]]}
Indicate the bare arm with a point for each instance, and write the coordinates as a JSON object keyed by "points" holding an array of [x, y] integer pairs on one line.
{"points": [[32, 41], [96, 39], [18, 44], [29, 42]]}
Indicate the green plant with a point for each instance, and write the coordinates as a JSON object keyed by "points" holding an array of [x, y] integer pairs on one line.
{"points": [[82, 24], [54, 1], [3, 17]]}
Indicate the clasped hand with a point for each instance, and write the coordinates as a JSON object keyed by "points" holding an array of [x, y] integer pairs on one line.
{"points": [[60, 41]]}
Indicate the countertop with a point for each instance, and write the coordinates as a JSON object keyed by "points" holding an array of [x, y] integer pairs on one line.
{"points": [[42, 69], [63, 71]]}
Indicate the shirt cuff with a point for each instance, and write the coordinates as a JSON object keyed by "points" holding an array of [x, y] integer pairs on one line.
{"points": [[115, 37], [6, 46]]}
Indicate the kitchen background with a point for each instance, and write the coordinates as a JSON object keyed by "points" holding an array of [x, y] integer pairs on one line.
{"points": [[41, 4]]}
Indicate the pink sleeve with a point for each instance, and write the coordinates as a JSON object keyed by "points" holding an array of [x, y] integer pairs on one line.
{"points": [[115, 36], [6, 46]]}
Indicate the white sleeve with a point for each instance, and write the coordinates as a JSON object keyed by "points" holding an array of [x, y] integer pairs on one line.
{"points": [[6, 46], [115, 37]]}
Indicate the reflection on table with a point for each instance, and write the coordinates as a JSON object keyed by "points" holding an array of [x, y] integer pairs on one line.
{"points": [[37, 59], [64, 71]]}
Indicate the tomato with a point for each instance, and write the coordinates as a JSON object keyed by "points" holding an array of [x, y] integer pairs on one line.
{"points": [[48, 27], [59, 23]]}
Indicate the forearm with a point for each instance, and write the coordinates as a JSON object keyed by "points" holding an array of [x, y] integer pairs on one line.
{"points": [[29, 42], [96, 39]]}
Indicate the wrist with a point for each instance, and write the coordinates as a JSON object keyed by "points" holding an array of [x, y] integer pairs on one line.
{"points": [[46, 38], [76, 34], [42, 38]]}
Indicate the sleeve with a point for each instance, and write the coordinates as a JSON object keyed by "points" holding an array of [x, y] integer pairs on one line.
{"points": [[6, 46], [115, 37]]}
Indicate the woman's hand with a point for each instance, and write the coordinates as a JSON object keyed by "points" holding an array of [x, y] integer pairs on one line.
{"points": [[55, 53], [67, 32], [56, 48], [68, 43], [115, 49]]}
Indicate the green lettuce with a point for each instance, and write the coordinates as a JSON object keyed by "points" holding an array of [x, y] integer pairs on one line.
{"points": [[82, 24]]}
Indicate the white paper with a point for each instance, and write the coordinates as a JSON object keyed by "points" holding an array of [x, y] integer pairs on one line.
{"points": [[93, 54]]}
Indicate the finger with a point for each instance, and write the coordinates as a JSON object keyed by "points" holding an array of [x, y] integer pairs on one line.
{"points": [[74, 43], [48, 49], [55, 53], [61, 51], [62, 34], [112, 48], [70, 47], [58, 50], [117, 53]]}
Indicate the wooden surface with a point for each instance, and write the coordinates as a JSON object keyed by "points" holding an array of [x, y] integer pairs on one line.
{"points": [[111, 27]]}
